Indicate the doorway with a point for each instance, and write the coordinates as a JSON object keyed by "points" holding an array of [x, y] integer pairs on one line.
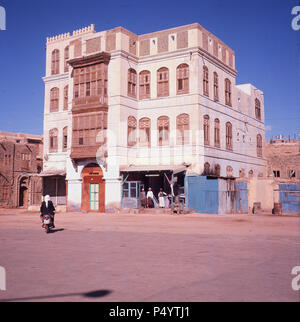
{"points": [[23, 193], [93, 189]]}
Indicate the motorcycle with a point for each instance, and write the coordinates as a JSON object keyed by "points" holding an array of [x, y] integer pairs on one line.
{"points": [[47, 223]]}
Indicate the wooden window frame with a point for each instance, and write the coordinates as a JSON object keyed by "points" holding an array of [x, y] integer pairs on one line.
{"points": [[182, 79], [206, 130], [132, 83], [86, 128], [55, 61], [66, 58], [229, 134], [163, 82], [66, 97], [205, 81], [53, 140], [65, 139], [257, 109], [259, 146], [131, 131], [228, 92], [54, 99], [183, 129], [217, 139], [216, 87], [145, 84], [90, 81], [163, 127], [145, 125]]}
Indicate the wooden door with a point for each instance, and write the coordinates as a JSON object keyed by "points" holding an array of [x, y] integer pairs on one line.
{"points": [[93, 190]]}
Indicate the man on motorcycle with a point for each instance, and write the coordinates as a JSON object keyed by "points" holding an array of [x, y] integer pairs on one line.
{"points": [[47, 208]]}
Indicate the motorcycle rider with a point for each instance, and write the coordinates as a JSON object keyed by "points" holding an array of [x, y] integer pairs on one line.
{"points": [[47, 208]]}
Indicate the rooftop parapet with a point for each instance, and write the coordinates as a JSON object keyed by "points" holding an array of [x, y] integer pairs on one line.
{"points": [[66, 36]]}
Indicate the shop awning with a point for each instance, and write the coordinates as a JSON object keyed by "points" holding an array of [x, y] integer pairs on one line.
{"points": [[52, 173], [153, 168]]}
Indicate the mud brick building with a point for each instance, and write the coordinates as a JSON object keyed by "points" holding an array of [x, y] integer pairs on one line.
{"points": [[124, 112], [21, 160], [283, 156]]}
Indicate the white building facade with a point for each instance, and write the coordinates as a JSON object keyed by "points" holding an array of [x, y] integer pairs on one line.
{"points": [[124, 112]]}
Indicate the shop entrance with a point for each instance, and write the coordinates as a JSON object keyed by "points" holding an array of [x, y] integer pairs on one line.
{"points": [[93, 189], [133, 182]]}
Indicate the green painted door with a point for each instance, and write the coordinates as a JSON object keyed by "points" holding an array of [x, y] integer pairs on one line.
{"points": [[94, 196]]}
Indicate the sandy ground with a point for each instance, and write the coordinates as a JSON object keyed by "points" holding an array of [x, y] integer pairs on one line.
{"points": [[133, 257]]}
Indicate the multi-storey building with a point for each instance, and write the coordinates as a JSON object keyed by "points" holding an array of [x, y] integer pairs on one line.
{"points": [[21, 160], [126, 111]]}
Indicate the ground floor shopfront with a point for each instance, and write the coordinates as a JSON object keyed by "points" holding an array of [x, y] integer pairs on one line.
{"points": [[93, 190], [89, 187]]}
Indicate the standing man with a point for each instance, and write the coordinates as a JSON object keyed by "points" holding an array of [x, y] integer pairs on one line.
{"points": [[161, 198], [150, 197], [143, 198]]}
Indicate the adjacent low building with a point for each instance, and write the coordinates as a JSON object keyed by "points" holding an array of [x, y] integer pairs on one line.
{"points": [[21, 160], [162, 110], [283, 156]]}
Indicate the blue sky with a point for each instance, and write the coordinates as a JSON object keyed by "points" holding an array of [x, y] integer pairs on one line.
{"points": [[259, 31]]}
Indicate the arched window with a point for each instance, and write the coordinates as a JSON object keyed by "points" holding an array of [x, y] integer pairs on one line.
{"points": [[131, 135], [145, 132], [66, 95], [144, 84], [55, 62], [229, 171], [205, 81], [217, 133], [259, 145], [163, 125], [67, 55], [65, 139], [216, 87], [53, 140], [54, 99], [132, 78], [182, 79], [206, 129], [228, 92], [4, 189], [183, 129], [163, 82], [228, 136], [257, 110]]}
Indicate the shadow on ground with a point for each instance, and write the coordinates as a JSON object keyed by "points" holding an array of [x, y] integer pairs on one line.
{"points": [[93, 294], [53, 231]]}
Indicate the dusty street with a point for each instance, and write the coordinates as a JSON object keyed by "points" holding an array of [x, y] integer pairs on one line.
{"points": [[191, 258]]}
